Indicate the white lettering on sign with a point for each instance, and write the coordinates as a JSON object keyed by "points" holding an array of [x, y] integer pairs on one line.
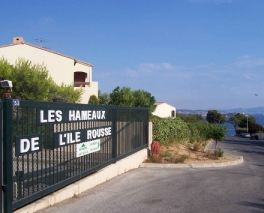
{"points": [[24, 145], [52, 116], [68, 138], [97, 133], [83, 115], [47, 116], [27, 145]]}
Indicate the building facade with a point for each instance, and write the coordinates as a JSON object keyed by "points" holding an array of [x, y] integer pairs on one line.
{"points": [[62, 68], [164, 110]]}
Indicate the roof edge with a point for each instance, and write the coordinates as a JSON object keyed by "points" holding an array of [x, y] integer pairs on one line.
{"points": [[51, 51]]}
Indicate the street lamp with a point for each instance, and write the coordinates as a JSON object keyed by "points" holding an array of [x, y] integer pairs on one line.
{"points": [[247, 117]]}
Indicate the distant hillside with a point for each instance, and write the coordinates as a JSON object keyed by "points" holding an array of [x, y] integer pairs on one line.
{"points": [[256, 110]]}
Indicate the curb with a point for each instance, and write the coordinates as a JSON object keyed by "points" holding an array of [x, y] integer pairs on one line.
{"points": [[193, 165]]}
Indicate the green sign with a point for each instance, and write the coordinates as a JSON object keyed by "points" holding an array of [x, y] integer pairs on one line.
{"points": [[87, 147]]}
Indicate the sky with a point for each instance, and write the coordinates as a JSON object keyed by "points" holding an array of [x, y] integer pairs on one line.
{"points": [[192, 54]]}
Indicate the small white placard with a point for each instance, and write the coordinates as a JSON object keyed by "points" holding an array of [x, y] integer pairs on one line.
{"points": [[87, 147]]}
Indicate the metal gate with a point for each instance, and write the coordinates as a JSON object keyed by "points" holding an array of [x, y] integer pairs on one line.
{"points": [[47, 146]]}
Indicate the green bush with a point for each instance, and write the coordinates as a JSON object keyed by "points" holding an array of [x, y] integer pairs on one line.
{"points": [[169, 130], [198, 131], [219, 153], [93, 100], [166, 153]]}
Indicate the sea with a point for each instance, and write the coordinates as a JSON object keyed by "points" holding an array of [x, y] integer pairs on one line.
{"points": [[231, 129]]}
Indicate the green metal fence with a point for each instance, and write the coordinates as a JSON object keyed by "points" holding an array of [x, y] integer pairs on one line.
{"points": [[47, 146]]}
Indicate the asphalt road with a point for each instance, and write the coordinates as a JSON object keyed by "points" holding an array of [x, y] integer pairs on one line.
{"points": [[237, 188]]}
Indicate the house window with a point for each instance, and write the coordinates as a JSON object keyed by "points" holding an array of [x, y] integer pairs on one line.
{"points": [[79, 79], [173, 114]]}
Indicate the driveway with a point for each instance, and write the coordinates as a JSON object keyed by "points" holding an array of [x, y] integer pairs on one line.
{"points": [[227, 189]]}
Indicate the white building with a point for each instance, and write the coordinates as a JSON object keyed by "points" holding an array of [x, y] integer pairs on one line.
{"points": [[164, 110], [62, 68]]}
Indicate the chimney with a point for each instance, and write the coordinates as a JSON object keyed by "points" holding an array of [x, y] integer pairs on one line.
{"points": [[18, 40]]}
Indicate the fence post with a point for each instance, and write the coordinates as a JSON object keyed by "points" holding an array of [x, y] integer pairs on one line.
{"points": [[7, 156], [114, 135]]}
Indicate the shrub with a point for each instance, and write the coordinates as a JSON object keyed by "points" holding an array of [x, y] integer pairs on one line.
{"points": [[169, 130], [198, 131], [219, 153], [93, 100], [166, 153], [192, 140]]}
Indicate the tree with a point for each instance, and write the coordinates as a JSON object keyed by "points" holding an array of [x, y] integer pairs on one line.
{"points": [[193, 118], [32, 82], [136, 98], [121, 97], [253, 128], [241, 120], [216, 132], [213, 116], [66, 93], [235, 119], [247, 120], [103, 98], [93, 100], [144, 99]]}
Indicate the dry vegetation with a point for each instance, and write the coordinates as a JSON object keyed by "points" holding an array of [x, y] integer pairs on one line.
{"points": [[187, 153]]}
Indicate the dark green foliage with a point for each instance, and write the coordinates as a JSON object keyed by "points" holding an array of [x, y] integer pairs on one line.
{"points": [[247, 121], [191, 118], [216, 132], [194, 118], [169, 130], [144, 99], [213, 116], [32, 82], [181, 116], [93, 100], [198, 131], [121, 97], [219, 153], [235, 119], [243, 121], [126, 97], [66, 94], [103, 98], [255, 128]]}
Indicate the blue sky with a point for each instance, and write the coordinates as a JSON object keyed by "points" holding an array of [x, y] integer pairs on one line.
{"points": [[193, 54]]}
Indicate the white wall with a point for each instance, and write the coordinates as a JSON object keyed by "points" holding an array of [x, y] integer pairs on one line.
{"points": [[61, 68], [163, 110]]}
